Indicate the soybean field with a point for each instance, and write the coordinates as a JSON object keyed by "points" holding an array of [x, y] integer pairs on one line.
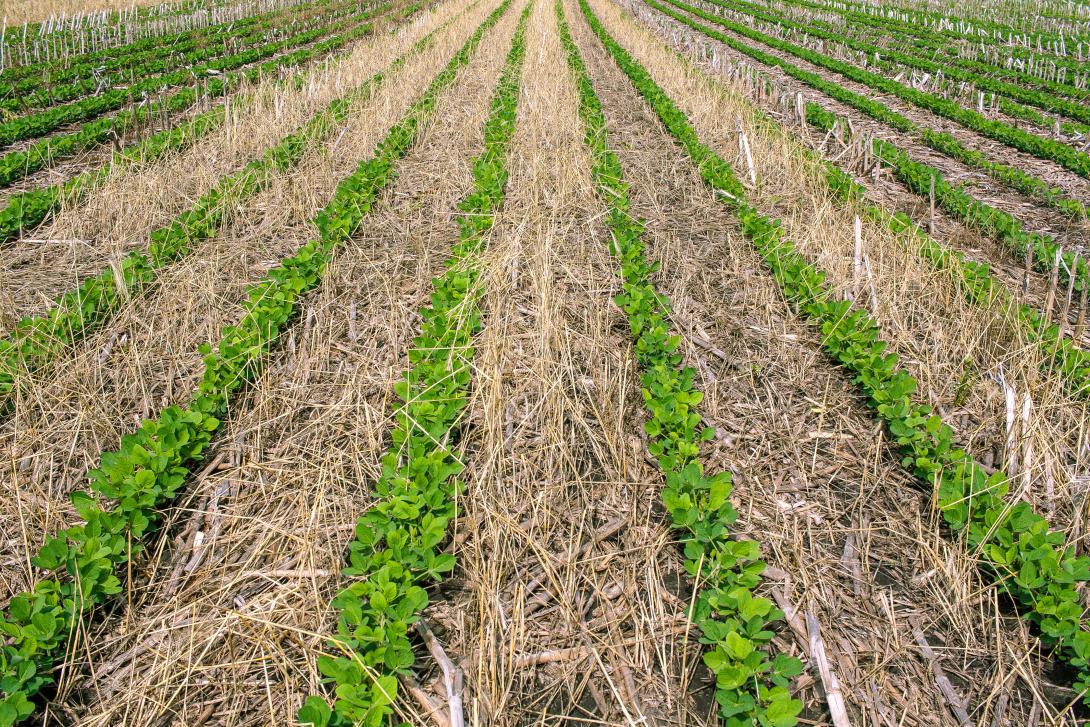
{"points": [[545, 362]]}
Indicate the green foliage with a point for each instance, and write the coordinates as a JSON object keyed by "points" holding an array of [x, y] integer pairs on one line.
{"points": [[17, 164], [154, 462], [55, 85], [36, 340], [397, 545], [1028, 561], [751, 685], [1044, 148], [998, 224], [1023, 181], [26, 210], [29, 209], [941, 142], [58, 70], [42, 122], [1046, 101], [936, 43], [977, 282]]}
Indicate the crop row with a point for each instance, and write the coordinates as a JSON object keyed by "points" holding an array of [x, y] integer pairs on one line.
{"points": [[72, 23], [108, 59], [939, 141], [154, 462], [35, 341], [1025, 558], [751, 685], [88, 79], [43, 122], [999, 225], [979, 286], [16, 165], [997, 31], [1045, 148], [942, 142], [397, 550], [1076, 161], [1065, 107], [1018, 179], [1061, 76], [26, 81], [934, 45], [1028, 74], [918, 176], [100, 41], [136, 20], [26, 210]]}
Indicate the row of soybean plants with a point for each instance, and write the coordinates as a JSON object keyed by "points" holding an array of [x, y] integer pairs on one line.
{"points": [[397, 550], [977, 281], [26, 86], [35, 341], [16, 165], [31, 79], [88, 78], [43, 122], [140, 20], [26, 210], [751, 685], [888, 56], [934, 45], [1026, 560], [978, 29], [60, 69], [82, 564], [1041, 147], [1058, 352], [63, 35], [941, 141], [58, 41]]}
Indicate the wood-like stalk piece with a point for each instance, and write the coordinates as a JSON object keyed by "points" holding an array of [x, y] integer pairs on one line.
{"points": [[452, 674], [949, 694], [838, 710], [1053, 279]]}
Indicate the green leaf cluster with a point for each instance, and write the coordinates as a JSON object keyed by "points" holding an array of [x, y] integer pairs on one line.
{"points": [[60, 69], [936, 43], [396, 550], [36, 340], [55, 85], [1044, 148], [976, 280], [153, 463], [18, 164], [28, 209], [1048, 102], [1031, 563], [751, 684], [942, 142]]}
